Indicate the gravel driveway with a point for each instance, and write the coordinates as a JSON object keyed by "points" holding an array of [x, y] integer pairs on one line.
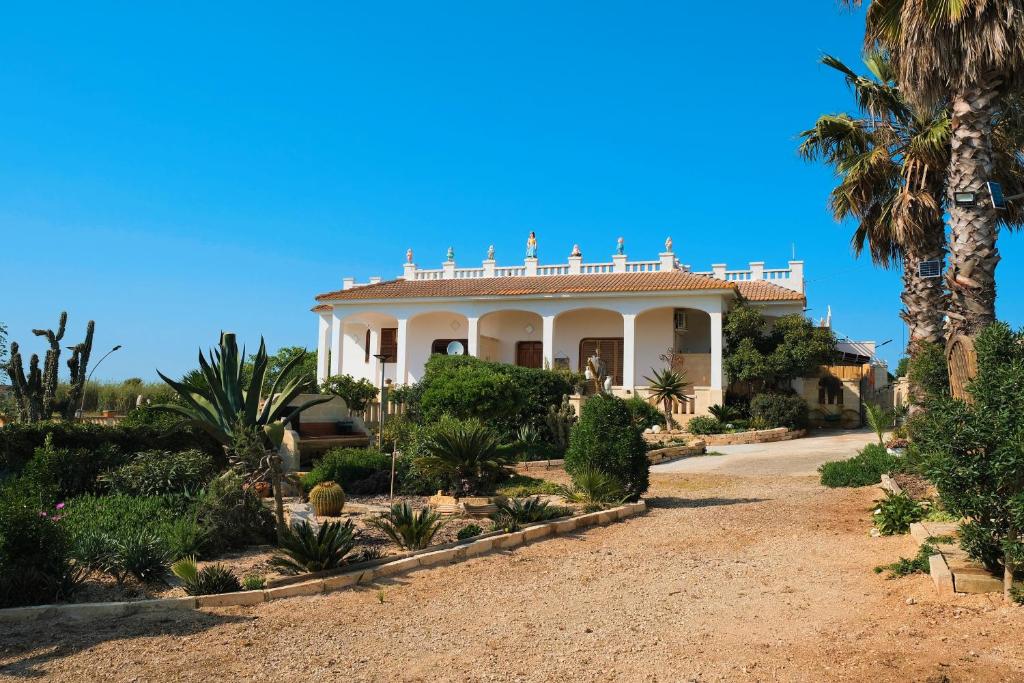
{"points": [[748, 578], [797, 457]]}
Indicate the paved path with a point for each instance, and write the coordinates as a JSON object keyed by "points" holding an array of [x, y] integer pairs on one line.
{"points": [[796, 458]]}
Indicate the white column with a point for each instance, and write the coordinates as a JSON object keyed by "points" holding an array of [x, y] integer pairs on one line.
{"points": [[757, 270], [549, 341], [629, 351], [717, 377], [619, 263], [401, 360], [531, 265], [323, 347], [474, 336], [336, 338]]}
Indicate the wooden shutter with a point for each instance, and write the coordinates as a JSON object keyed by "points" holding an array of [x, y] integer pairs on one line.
{"points": [[389, 343], [611, 353], [530, 354], [366, 345]]}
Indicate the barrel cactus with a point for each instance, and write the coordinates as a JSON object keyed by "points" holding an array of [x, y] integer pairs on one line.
{"points": [[327, 499]]}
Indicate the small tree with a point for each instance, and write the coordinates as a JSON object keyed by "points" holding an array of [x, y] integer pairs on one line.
{"points": [[356, 392], [879, 419], [666, 387], [606, 439], [768, 356], [974, 451]]}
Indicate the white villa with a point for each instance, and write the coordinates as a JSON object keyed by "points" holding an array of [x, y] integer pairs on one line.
{"points": [[632, 312]]}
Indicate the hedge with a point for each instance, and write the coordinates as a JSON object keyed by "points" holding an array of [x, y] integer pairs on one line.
{"points": [[606, 439]]}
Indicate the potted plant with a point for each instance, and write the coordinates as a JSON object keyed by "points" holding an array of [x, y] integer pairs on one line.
{"points": [[897, 446]]}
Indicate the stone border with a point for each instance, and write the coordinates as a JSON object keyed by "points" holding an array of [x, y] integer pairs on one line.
{"points": [[362, 574], [540, 464], [950, 568], [661, 455], [889, 484], [754, 436]]}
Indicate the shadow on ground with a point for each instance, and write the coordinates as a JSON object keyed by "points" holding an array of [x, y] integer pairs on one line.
{"points": [[24, 650], [677, 502]]}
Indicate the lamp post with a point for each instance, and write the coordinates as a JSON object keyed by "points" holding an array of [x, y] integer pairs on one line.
{"points": [[81, 407], [383, 360]]}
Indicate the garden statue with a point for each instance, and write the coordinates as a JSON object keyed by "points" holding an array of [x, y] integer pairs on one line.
{"points": [[490, 253], [668, 244], [531, 245], [597, 372], [451, 254], [576, 251], [408, 255], [620, 247]]}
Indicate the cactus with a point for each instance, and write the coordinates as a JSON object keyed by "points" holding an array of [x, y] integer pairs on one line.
{"points": [[36, 394], [327, 499], [559, 422]]}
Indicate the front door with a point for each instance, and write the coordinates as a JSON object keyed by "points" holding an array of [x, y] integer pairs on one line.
{"points": [[530, 354]]}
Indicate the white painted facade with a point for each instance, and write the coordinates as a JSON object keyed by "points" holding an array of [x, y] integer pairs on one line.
{"points": [[350, 329]]}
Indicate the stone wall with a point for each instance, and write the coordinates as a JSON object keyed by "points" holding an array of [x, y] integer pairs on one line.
{"points": [[754, 436]]}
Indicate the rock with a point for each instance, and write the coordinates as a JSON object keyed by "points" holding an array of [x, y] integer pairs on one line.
{"points": [[911, 601], [656, 429]]}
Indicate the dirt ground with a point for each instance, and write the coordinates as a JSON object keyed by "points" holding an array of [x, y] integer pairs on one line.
{"points": [[726, 578]]}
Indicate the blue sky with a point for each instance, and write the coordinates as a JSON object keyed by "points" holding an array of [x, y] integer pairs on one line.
{"points": [[173, 173]]}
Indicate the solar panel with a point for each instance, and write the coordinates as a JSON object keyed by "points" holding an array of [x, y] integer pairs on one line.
{"points": [[929, 269]]}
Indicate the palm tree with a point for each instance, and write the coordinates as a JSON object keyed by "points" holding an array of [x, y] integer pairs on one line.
{"points": [[665, 387], [467, 453], [969, 54], [890, 162]]}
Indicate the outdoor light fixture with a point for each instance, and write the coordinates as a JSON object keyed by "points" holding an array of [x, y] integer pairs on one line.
{"points": [[965, 198], [382, 358], [81, 407]]}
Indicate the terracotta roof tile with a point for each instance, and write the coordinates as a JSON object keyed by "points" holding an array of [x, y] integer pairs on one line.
{"points": [[322, 308], [519, 286], [762, 290]]}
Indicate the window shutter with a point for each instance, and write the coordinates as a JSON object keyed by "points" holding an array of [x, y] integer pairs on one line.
{"points": [[389, 343], [611, 352]]}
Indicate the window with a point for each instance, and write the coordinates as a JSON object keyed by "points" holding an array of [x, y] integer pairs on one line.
{"points": [[389, 343], [441, 345], [366, 346], [611, 354], [830, 391]]}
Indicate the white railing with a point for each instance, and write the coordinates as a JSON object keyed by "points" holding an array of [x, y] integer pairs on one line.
{"points": [[790, 278]]}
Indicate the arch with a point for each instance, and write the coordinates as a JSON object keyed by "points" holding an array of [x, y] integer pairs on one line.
{"points": [[575, 325], [424, 329], [512, 335]]}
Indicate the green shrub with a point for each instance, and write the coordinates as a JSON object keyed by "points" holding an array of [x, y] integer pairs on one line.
{"points": [[305, 550], [520, 486], [233, 516], [779, 410], [156, 473], [409, 529], [895, 513], [18, 442], [210, 580], [919, 564], [644, 414], [35, 561], [358, 471], [606, 439], [469, 531], [502, 395], [55, 474], [928, 372], [864, 469], [974, 452], [355, 392], [515, 512], [254, 582], [127, 534], [704, 424]]}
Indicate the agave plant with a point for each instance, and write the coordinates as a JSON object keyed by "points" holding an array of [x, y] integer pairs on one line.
{"points": [[224, 400], [594, 490], [304, 550], [224, 405], [410, 529], [467, 453], [210, 580]]}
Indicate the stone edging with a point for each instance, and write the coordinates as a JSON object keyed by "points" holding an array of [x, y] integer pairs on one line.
{"points": [[660, 455], [423, 558], [754, 436], [889, 484]]}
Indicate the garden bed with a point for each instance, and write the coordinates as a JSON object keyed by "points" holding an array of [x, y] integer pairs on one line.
{"points": [[345, 577]]}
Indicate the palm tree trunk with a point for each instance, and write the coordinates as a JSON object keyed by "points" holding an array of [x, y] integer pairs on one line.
{"points": [[924, 299], [973, 229]]}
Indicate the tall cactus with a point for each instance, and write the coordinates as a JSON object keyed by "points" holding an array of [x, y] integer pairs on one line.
{"points": [[559, 422], [36, 393]]}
